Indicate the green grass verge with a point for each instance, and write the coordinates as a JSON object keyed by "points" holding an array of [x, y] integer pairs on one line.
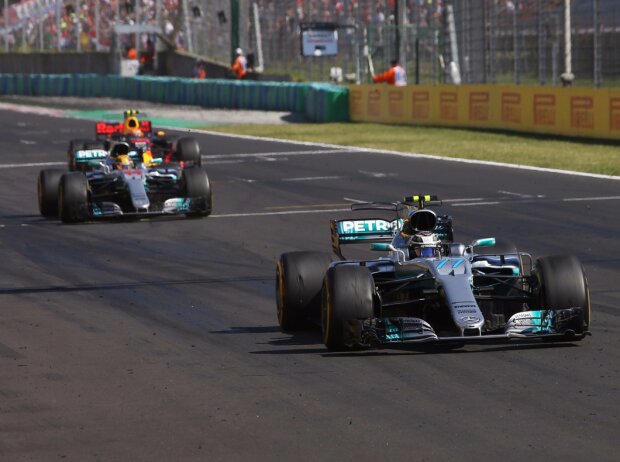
{"points": [[590, 156]]}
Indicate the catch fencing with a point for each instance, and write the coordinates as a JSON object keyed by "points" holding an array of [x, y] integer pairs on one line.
{"points": [[437, 41]]}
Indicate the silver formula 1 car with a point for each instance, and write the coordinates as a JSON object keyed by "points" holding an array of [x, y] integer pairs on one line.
{"points": [[427, 288], [121, 182]]}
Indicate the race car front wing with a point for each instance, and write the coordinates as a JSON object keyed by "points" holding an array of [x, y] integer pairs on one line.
{"points": [[172, 206], [552, 325]]}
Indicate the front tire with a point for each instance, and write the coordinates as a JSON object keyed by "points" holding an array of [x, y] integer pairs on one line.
{"points": [[562, 284], [198, 189], [73, 198], [348, 296], [47, 192], [299, 277]]}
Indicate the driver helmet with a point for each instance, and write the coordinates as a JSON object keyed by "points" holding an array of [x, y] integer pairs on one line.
{"points": [[424, 244], [120, 156], [131, 126]]}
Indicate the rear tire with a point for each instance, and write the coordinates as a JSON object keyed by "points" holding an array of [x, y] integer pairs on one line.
{"points": [[198, 188], [562, 284], [299, 277], [347, 300], [73, 198], [47, 192], [188, 150]]}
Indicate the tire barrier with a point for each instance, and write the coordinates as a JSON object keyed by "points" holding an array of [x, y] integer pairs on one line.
{"points": [[320, 102]]}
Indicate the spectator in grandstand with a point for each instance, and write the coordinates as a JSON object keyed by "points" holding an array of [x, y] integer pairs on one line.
{"points": [[240, 65], [395, 75]]}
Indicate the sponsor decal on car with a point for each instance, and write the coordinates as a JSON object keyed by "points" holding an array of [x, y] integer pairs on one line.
{"points": [[89, 154], [370, 226]]}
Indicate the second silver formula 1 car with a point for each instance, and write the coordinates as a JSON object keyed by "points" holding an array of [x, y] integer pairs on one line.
{"points": [[122, 183], [427, 288]]}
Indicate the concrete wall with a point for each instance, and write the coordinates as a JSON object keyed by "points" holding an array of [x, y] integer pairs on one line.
{"points": [[170, 63], [56, 63]]}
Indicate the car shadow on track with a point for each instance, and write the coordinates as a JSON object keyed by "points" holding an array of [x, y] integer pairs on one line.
{"points": [[128, 285], [9, 216], [408, 350], [282, 346]]}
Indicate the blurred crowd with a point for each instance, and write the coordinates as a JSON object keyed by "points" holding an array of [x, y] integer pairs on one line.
{"points": [[84, 24]]}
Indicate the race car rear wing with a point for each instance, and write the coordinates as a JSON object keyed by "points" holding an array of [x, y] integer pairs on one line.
{"points": [[105, 129], [366, 230], [372, 230]]}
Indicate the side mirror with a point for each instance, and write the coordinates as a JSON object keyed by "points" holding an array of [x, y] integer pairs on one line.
{"points": [[381, 247], [486, 242]]}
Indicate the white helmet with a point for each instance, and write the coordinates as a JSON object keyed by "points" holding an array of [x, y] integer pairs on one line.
{"points": [[424, 244], [238, 51]]}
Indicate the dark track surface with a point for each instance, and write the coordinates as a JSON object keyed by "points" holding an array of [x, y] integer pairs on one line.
{"points": [[158, 340]]}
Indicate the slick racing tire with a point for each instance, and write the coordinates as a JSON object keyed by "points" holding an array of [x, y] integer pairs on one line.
{"points": [[47, 192], [299, 277], [73, 197], [347, 299], [562, 284], [188, 150], [76, 145], [198, 189]]}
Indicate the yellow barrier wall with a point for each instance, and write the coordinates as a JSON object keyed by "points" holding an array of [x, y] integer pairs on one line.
{"points": [[559, 111]]}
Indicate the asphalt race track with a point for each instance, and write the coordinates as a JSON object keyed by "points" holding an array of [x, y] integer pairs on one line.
{"points": [[158, 339]]}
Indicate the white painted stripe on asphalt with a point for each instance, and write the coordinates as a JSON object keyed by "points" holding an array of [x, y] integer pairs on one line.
{"points": [[377, 174], [348, 149], [285, 212], [313, 178], [32, 164], [220, 162], [601, 198], [469, 204], [277, 154], [463, 200], [509, 193]]}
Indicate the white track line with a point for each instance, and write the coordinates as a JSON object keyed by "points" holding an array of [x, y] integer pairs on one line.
{"points": [[470, 204], [286, 212], [509, 193], [278, 154], [356, 201], [603, 198], [314, 178], [33, 164], [463, 200]]}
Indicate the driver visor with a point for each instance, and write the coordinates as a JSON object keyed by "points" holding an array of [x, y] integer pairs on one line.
{"points": [[427, 252]]}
